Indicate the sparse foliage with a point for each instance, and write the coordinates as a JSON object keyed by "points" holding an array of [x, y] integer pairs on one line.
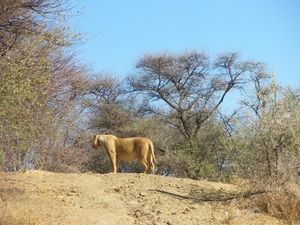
{"points": [[267, 141], [190, 86], [39, 81]]}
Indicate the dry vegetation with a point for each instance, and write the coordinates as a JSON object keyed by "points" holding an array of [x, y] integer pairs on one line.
{"points": [[22, 207], [282, 203]]}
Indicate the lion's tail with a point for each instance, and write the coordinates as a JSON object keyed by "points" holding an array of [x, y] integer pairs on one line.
{"points": [[152, 152]]}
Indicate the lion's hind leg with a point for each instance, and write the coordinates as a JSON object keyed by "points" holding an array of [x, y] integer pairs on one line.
{"points": [[152, 167], [144, 163], [151, 163]]}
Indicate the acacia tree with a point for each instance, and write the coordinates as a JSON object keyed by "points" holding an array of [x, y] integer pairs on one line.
{"points": [[190, 86]]}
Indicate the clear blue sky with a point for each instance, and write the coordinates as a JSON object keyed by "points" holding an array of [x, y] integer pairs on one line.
{"points": [[119, 31]]}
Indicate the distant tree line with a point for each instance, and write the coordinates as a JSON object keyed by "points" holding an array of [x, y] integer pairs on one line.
{"points": [[51, 104]]}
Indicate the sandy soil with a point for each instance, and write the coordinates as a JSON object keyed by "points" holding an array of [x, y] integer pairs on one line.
{"points": [[85, 198]]}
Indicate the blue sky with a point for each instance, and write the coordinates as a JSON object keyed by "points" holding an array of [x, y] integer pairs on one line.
{"points": [[117, 32]]}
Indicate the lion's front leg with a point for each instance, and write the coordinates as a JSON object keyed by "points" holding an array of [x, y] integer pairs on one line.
{"points": [[117, 164], [113, 160]]}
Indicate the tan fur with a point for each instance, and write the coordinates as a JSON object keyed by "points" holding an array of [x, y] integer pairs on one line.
{"points": [[126, 149]]}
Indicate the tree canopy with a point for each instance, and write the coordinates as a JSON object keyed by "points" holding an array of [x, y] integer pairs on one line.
{"points": [[190, 83]]}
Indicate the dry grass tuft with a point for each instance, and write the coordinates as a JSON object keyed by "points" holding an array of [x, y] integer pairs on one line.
{"points": [[14, 210], [18, 215], [282, 203], [19, 206]]}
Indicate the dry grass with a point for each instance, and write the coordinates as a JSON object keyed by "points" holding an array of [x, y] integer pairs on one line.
{"points": [[18, 215], [22, 207], [282, 203]]}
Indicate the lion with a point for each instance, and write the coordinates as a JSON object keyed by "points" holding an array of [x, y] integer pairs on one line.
{"points": [[126, 149]]}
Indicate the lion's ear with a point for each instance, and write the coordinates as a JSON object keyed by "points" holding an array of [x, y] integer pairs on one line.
{"points": [[94, 136]]}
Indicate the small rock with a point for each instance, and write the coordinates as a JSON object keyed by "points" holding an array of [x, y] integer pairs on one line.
{"points": [[169, 222], [138, 213], [158, 202], [140, 200], [192, 207], [76, 204], [187, 210]]}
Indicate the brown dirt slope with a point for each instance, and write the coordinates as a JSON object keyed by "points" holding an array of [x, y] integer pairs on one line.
{"points": [[38, 197]]}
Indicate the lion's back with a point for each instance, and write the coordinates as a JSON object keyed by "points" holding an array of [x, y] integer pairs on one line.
{"points": [[132, 144], [141, 140]]}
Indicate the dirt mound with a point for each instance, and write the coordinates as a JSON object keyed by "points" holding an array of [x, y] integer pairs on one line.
{"points": [[38, 197]]}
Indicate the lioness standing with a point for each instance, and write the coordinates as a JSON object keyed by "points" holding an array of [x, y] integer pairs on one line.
{"points": [[126, 149]]}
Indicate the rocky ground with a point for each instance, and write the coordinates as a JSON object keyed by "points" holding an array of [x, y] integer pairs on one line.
{"points": [[38, 197]]}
